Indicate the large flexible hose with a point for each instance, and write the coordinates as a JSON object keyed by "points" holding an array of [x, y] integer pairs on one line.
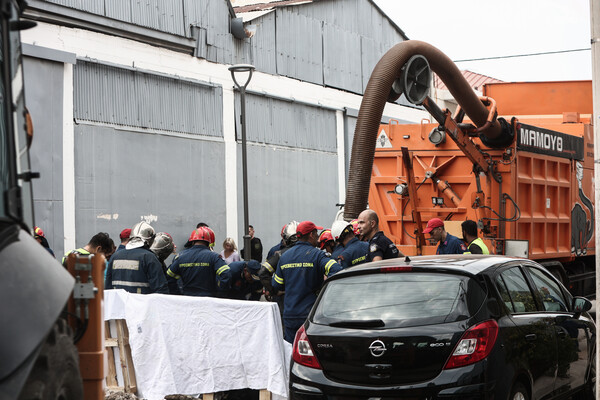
{"points": [[373, 103]]}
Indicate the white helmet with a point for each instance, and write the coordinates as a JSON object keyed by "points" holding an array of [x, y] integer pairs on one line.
{"points": [[142, 231], [289, 233], [338, 228], [162, 245]]}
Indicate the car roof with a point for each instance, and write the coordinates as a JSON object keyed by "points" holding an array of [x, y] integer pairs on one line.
{"points": [[464, 263]]}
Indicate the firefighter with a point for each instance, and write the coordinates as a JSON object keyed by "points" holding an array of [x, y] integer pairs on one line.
{"points": [[100, 243], [448, 244], [268, 267], [380, 247], [202, 271], [474, 244], [278, 245], [38, 235], [326, 242], [300, 273], [163, 247], [355, 251], [136, 269], [245, 283]]}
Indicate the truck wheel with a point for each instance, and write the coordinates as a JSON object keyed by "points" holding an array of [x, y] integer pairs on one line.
{"points": [[55, 374]]}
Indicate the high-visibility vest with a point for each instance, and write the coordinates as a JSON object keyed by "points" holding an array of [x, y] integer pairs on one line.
{"points": [[479, 243]]}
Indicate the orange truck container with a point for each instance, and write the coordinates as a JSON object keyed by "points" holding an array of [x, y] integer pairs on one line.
{"points": [[543, 206]]}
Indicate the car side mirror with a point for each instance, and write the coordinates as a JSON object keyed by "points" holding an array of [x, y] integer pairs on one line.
{"points": [[581, 304]]}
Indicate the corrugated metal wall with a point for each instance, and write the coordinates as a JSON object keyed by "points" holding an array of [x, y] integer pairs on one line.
{"points": [[355, 36], [329, 42], [131, 98], [286, 123], [44, 94], [299, 42], [122, 177]]}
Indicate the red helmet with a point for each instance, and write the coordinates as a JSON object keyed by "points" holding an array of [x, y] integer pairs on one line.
{"points": [[211, 235], [355, 227], [37, 231], [203, 233], [324, 237]]}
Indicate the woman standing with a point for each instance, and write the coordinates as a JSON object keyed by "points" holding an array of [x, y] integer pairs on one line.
{"points": [[229, 253]]}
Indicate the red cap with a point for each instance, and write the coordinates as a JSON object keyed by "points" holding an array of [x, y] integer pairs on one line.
{"points": [[432, 224], [125, 233], [306, 227]]}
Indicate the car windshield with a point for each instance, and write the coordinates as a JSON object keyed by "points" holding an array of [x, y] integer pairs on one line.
{"points": [[397, 299]]}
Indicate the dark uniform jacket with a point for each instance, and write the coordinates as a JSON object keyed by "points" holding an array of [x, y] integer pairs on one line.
{"points": [[300, 273], [136, 271], [255, 249], [452, 245], [241, 289], [381, 246], [268, 268], [274, 249], [355, 252], [337, 250], [202, 272]]}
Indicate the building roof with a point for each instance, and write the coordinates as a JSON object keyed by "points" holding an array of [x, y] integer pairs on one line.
{"points": [[476, 81], [250, 9]]}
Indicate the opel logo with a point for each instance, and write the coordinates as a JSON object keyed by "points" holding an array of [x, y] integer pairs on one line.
{"points": [[377, 348]]}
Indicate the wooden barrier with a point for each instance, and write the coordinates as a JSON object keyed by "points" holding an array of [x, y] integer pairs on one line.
{"points": [[121, 343]]}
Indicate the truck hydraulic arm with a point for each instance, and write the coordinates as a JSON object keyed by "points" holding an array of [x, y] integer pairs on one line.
{"points": [[461, 138]]}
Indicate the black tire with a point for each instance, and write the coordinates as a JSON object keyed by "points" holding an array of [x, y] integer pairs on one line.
{"points": [[519, 392], [55, 374]]}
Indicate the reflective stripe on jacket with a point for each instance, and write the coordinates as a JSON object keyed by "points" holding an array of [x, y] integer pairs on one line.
{"points": [[300, 273], [202, 272], [136, 271]]}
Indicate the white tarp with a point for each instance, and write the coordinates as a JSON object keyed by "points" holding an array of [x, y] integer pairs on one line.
{"points": [[192, 345]]}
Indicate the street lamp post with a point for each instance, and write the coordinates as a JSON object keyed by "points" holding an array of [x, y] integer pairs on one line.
{"points": [[244, 68]]}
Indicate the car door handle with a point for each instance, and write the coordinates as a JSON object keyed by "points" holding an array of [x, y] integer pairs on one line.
{"points": [[531, 337], [561, 333]]}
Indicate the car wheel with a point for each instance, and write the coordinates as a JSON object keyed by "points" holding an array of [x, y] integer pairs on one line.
{"points": [[519, 392], [55, 374]]}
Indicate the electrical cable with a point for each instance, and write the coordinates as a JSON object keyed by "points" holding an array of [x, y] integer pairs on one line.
{"points": [[515, 217], [81, 325], [523, 55]]}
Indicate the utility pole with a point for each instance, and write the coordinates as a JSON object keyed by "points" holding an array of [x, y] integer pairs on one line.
{"points": [[595, 30]]}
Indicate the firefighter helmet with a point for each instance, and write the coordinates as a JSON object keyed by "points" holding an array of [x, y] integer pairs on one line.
{"points": [[162, 246], [143, 231], [325, 237], [289, 233], [355, 227], [204, 234], [38, 232], [340, 228]]}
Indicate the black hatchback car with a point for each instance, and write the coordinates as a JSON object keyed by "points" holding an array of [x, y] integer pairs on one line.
{"points": [[445, 327]]}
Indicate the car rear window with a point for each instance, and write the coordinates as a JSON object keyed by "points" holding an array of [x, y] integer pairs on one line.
{"points": [[398, 299]]}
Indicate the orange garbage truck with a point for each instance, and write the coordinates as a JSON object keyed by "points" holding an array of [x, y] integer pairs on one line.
{"points": [[518, 160]]}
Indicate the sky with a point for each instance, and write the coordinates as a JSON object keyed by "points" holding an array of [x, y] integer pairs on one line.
{"points": [[468, 29]]}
